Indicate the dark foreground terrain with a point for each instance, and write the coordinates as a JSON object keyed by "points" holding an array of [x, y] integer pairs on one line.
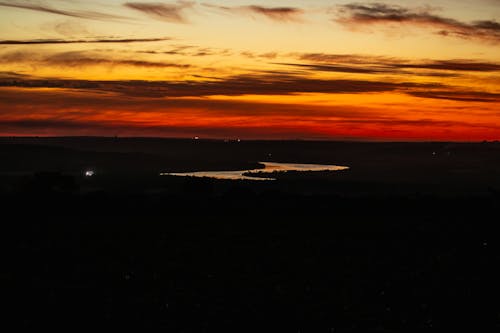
{"points": [[404, 241]]}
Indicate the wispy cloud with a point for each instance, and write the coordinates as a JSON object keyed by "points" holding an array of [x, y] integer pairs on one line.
{"points": [[80, 59], [169, 12], [338, 68], [13, 75], [454, 65], [263, 84], [279, 14], [352, 63], [40, 7], [363, 14], [81, 41], [459, 95]]}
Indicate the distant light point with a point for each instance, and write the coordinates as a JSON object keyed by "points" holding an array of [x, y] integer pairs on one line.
{"points": [[89, 173]]}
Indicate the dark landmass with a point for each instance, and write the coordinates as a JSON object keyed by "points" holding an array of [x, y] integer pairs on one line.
{"points": [[406, 240]]}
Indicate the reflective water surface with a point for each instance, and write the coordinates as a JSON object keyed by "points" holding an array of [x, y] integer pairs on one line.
{"points": [[268, 168]]}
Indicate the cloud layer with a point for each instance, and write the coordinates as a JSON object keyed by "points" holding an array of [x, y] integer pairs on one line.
{"points": [[263, 84], [79, 59], [171, 12], [83, 112], [278, 14], [364, 14], [93, 15], [81, 41], [345, 63], [221, 78]]}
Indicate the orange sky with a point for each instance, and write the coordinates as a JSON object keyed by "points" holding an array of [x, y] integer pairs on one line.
{"points": [[399, 70]]}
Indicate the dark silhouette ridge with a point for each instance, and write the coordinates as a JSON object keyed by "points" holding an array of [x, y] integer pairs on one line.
{"points": [[406, 240]]}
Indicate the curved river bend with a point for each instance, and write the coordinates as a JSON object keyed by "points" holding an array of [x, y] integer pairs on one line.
{"points": [[268, 168]]}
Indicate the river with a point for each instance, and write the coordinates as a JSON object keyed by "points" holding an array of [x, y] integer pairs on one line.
{"points": [[269, 167]]}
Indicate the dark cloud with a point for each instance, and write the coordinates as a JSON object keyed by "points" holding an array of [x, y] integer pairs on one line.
{"points": [[80, 59], [80, 41], [463, 96], [357, 14], [341, 58], [280, 14], [74, 60], [454, 65], [40, 7], [281, 85], [172, 12], [16, 75], [265, 84], [374, 65], [337, 68], [277, 13], [183, 50], [267, 55]]}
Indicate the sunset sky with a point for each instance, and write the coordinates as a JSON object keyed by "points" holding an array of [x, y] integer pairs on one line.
{"points": [[274, 69]]}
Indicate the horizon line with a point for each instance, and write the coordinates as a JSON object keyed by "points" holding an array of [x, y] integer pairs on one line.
{"points": [[350, 140]]}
